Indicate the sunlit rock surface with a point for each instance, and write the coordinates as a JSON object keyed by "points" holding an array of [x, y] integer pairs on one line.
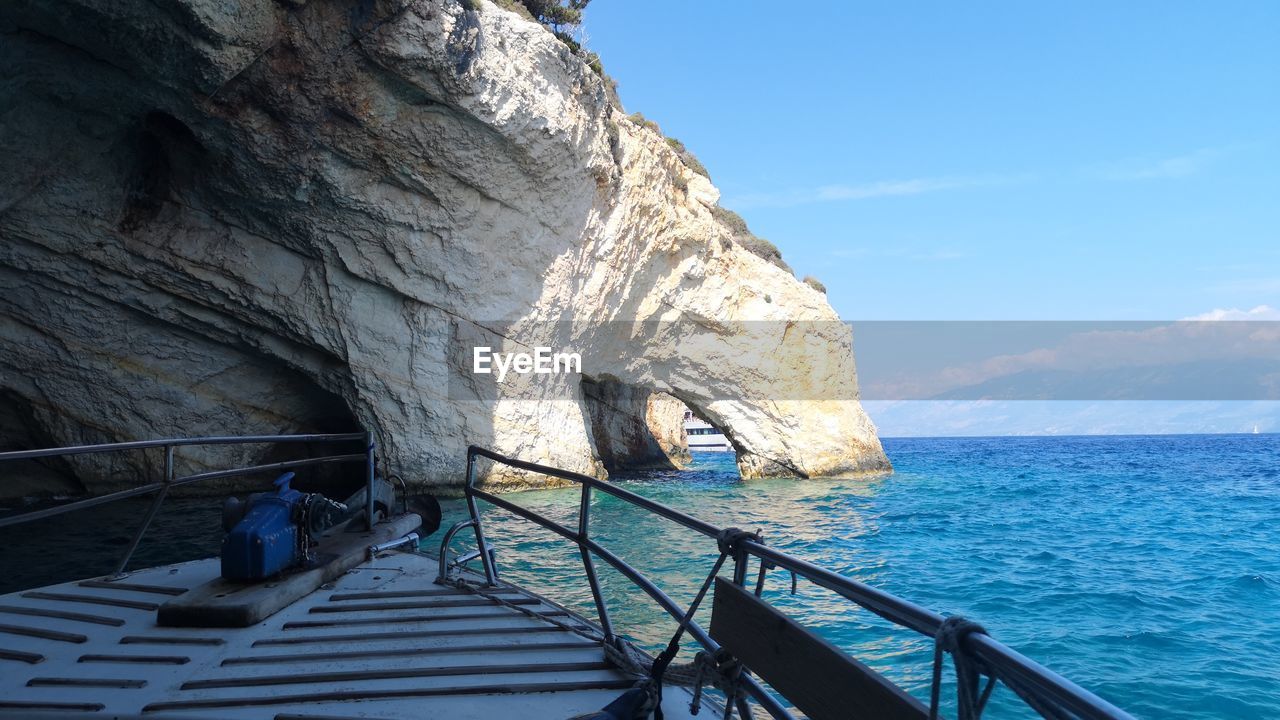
{"points": [[226, 218]]}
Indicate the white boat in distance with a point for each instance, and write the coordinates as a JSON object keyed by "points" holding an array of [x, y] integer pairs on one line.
{"points": [[704, 436]]}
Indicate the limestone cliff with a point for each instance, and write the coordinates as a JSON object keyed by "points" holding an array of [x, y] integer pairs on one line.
{"points": [[271, 216]]}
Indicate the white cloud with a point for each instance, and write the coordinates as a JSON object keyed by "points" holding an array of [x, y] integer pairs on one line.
{"points": [[1261, 312], [1169, 168], [1252, 286], [871, 190], [942, 418], [900, 253], [1099, 359]]}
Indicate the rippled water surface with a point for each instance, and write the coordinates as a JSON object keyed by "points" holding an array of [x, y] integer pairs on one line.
{"points": [[1144, 568]]}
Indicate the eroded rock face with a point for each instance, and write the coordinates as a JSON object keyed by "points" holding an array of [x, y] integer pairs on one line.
{"points": [[635, 428], [226, 218]]}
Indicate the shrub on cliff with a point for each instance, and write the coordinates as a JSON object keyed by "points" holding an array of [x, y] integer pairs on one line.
{"points": [[733, 220], [640, 119], [556, 14], [752, 243], [815, 283], [689, 159], [763, 248]]}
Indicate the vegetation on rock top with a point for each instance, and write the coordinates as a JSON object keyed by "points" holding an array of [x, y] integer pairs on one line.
{"points": [[562, 17]]}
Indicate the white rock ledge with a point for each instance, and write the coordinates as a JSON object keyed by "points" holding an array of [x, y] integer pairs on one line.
{"points": [[272, 217]]}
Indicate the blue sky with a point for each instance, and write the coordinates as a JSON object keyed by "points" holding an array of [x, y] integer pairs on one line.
{"points": [[1012, 160], [986, 161]]}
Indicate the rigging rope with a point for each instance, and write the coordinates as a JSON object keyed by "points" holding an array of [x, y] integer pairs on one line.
{"points": [[727, 541], [949, 639], [970, 702]]}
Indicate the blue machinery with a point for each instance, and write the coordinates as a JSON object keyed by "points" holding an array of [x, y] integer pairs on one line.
{"points": [[1048, 693], [161, 487]]}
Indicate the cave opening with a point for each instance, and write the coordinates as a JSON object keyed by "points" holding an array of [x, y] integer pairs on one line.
{"points": [[633, 427], [21, 429], [702, 435], [166, 159], [318, 411]]}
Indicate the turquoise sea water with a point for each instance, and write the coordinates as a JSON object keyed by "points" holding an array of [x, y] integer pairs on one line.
{"points": [[1144, 568]]}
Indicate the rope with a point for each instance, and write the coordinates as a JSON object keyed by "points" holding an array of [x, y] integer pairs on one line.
{"points": [[969, 673], [721, 670], [705, 669], [949, 639], [727, 541]]}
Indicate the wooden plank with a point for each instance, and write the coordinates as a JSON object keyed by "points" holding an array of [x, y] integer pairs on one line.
{"points": [[808, 671], [43, 634], [224, 603]]}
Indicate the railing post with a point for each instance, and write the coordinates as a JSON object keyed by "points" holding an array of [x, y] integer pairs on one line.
{"points": [[741, 559], [368, 486], [588, 565], [444, 548], [490, 572], [150, 516]]}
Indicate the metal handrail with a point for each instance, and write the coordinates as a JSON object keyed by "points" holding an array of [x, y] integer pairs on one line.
{"points": [[1006, 661], [162, 487]]}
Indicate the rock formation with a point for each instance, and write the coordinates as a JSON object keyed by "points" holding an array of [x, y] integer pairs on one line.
{"points": [[264, 216], [635, 428]]}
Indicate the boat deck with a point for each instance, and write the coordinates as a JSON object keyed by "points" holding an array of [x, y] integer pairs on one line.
{"points": [[382, 641]]}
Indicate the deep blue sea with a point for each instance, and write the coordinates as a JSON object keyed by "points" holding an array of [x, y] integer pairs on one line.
{"points": [[1146, 569]]}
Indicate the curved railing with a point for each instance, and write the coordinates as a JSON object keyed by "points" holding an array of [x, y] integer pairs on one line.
{"points": [[1051, 691], [162, 486]]}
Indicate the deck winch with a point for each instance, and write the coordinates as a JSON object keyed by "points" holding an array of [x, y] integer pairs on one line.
{"points": [[272, 532]]}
